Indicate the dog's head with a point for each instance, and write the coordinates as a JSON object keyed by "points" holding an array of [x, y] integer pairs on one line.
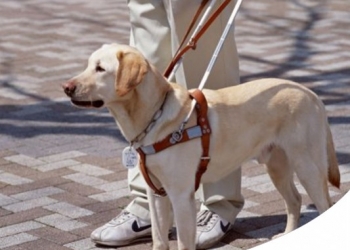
{"points": [[113, 72]]}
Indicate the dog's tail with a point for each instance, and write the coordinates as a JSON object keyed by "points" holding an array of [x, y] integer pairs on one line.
{"points": [[333, 168]]}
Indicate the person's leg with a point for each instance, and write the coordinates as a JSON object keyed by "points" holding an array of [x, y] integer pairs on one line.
{"points": [[220, 204], [149, 32], [223, 197], [221, 201]]}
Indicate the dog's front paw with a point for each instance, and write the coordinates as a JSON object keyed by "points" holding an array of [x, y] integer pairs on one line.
{"points": [[159, 246]]}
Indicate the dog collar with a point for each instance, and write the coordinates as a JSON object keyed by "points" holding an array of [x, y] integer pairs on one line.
{"points": [[151, 124], [202, 130]]}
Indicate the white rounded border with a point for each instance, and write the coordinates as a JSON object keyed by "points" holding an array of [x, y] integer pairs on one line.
{"points": [[330, 231]]}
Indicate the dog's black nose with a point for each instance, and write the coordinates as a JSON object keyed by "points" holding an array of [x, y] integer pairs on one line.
{"points": [[69, 88]]}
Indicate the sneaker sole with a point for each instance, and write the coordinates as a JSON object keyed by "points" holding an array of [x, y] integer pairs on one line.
{"points": [[123, 243], [209, 245]]}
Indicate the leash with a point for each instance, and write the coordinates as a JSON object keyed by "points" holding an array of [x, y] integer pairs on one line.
{"points": [[202, 130], [202, 28]]}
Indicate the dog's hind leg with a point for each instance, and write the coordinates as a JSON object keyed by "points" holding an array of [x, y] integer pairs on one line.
{"points": [[314, 182], [281, 174]]}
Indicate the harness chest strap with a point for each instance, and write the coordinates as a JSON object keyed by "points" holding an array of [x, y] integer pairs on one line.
{"points": [[202, 130]]}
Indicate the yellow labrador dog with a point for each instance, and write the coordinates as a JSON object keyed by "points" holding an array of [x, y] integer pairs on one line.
{"points": [[279, 122]]}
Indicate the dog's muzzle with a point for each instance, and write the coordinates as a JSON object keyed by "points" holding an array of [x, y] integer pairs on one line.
{"points": [[69, 88], [88, 104]]}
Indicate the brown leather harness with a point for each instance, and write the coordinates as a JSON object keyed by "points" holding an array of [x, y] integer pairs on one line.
{"points": [[202, 130]]}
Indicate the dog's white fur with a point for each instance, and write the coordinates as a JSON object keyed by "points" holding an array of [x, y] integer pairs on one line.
{"points": [[281, 123]]}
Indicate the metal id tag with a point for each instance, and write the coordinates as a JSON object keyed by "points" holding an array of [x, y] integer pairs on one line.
{"points": [[130, 158]]}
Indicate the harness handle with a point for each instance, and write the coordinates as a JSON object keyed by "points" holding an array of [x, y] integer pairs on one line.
{"points": [[193, 22], [192, 43]]}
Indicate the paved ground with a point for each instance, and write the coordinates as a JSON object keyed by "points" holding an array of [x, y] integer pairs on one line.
{"points": [[60, 172]]}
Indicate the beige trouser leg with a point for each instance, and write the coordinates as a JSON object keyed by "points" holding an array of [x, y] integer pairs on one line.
{"points": [[154, 30]]}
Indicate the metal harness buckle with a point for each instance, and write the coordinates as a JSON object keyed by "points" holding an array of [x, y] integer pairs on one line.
{"points": [[176, 137]]}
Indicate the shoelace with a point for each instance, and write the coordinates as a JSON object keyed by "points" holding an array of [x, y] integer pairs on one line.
{"points": [[204, 217], [123, 216]]}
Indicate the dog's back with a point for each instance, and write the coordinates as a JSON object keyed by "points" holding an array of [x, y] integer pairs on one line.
{"points": [[285, 126]]}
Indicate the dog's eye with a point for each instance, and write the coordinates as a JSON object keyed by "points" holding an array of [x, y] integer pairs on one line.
{"points": [[99, 69]]}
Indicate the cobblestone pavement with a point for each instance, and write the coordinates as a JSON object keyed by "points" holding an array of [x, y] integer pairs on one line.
{"points": [[60, 171]]}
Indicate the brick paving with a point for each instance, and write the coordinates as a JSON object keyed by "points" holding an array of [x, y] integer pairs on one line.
{"points": [[60, 171]]}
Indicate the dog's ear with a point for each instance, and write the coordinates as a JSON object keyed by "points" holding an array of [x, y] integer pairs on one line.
{"points": [[132, 68]]}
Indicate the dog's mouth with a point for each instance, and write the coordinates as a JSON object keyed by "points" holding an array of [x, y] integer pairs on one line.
{"points": [[88, 104]]}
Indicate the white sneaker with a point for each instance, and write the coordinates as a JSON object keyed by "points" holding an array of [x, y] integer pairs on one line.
{"points": [[211, 228], [125, 229]]}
